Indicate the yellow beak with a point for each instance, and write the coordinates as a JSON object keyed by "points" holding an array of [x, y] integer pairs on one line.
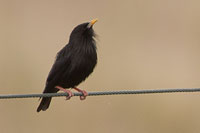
{"points": [[92, 22]]}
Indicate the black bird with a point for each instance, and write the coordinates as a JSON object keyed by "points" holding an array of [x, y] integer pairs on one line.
{"points": [[73, 64]]}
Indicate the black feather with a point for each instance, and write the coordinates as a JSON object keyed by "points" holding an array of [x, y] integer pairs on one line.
{"points": [[73, 64]]}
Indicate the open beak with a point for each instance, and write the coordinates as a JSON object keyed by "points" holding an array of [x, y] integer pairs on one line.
{"points": [[92, 23]]}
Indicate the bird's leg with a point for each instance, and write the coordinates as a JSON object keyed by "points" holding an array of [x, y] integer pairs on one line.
{"points": [[83, 92], [70, 94]]}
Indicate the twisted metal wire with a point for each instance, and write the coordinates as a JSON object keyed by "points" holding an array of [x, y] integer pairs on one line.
{"points": [[149, 91]]}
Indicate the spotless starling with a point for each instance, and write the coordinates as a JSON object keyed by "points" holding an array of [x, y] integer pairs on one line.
{"points": [[73, 64]]}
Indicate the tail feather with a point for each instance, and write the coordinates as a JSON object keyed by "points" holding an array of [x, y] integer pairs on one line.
{"points": [[44, 104]]}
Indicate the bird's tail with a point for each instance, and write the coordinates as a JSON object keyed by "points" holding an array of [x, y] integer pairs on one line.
{"points": [[44, 104]]}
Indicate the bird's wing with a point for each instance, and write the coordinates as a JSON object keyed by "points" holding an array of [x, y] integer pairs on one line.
{"points": [[60, 65], [57, 69]]}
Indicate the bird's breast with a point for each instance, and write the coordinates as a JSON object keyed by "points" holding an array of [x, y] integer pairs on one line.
{"points": [[82, 65]]}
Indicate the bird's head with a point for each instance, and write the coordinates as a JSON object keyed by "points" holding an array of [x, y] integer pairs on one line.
{"points": [[83, 32]]}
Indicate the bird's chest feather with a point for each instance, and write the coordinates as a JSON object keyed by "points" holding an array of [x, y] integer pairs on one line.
{"points": [[83, 62], [81, 66]]}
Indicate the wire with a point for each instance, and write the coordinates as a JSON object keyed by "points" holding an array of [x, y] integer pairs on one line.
{"points": [[150, 91]]}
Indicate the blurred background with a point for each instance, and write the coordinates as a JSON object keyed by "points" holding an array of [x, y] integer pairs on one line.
{"points": [[142, 44]]}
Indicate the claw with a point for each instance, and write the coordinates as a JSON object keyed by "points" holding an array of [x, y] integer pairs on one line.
{"points": [[70, 94], [83, 92]]}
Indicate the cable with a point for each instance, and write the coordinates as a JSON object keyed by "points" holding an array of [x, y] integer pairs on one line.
{"points": [[150, 91]]}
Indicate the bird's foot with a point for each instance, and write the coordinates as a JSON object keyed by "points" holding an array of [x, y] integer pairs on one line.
{"points": [[83, 92], [70, 94]]}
